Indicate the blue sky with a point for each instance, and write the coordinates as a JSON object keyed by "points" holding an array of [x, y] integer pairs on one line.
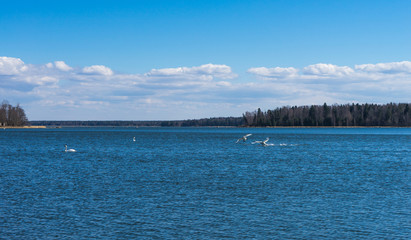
{"points": [[155, 60]]}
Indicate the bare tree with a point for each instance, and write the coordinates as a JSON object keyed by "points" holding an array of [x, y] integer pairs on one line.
{"points": [[12, 116]]}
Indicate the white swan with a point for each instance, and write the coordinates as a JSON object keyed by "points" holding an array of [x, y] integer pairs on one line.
{"points": [[69, 150], [134, 139], [264, 143], [244, 138]]}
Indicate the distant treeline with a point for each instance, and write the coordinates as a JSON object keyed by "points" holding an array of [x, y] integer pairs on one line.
{"points": [[351, 115], [396, 115], [221, 121], [12, 116]]}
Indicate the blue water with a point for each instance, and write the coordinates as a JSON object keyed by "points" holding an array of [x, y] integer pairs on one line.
{"points": [[197, 183]]}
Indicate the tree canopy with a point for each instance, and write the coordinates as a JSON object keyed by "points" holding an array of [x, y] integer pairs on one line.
{"points": [[13, 116], [397, 115]]}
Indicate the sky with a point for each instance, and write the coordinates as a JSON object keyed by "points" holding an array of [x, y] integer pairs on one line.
{"points": [[175, 60]]}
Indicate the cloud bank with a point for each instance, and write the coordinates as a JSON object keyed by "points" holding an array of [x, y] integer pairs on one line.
{"points": [[58, 91]]}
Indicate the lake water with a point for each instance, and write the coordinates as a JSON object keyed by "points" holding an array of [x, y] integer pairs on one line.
{"points": [[197, 183]]}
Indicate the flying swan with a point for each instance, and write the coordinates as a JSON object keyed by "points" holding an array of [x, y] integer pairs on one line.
{"points": [[263, 143], [244, 138], [69, 150]]}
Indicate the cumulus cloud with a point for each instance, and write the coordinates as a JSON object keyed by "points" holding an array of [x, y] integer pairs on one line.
{"points": [[11, 66], [205, 72], [315, 71], [17, 75], [382, 82], [97, 92], [61, 65], [98, 70], [393, 67], [322, 71], [276, 72], [218, 71], [330, 70]]}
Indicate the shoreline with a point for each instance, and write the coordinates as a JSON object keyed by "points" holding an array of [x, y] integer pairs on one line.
{"points": [[41, 127], [332, 127], [22, 127]]}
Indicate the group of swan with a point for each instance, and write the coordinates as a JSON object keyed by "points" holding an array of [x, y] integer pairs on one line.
{"points": [[73, 150], [244, 138]]}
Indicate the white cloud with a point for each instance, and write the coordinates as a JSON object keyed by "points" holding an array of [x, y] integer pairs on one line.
{"points": [[192, 92], [319, 83], [168, 72], [392, 67], [204, 72], [276, 72], [11, 66], [38, 80], [61, 65], [330, 70], [217, 71], [312, 72], [98, 70]]}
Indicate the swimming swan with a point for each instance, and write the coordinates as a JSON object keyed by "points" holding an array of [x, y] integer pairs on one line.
{"points": [[69, 150], [264, 143], [244, 138], [134, 139]]}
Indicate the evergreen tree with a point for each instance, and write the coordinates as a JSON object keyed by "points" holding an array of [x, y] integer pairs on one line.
{"points": [[337, 115]]}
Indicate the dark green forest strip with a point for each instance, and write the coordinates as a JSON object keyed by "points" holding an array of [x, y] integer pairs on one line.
{"points": [[346, 115], [209, 122]]}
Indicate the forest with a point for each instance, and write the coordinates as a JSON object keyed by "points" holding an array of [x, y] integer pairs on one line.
{"points": [[209, 122], [12, 116], [345, 115], [348, 115]]}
